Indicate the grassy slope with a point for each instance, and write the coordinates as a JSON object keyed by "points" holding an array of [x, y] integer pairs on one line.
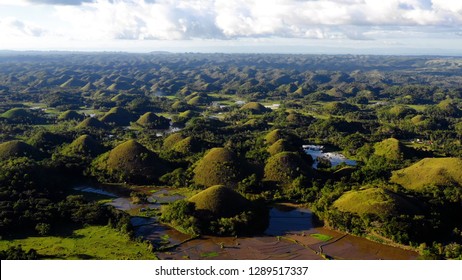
{"points": [[430, 171], [373, 201], [94, 242]]}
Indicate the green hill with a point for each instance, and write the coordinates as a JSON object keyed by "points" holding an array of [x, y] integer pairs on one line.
{"points": [[73, 82], [392, 149], [374, 201], [254, 108], [281, 146], [430, 171], [130, 162], [92, 123], [153, 121], [172, 139], [449, 108], [70, 115], [84, 145], [273, 136], [88, 87], [16, 148], [188, 146], [218, 167], [46, 140], [220, 201], [19, 115], [283, 168], [118, 116]]}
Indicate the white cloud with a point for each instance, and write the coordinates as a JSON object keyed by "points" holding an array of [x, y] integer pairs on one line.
{"points": [[174, 19], [13, 27], [336, 20]]}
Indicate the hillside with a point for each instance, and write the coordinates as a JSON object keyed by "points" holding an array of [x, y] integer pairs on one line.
{"points": [[430, 171], [392, 149], [84, 145], [130, 162], [374, 201], [16, 148], [219, 166], [283, 168], [220, 201]]}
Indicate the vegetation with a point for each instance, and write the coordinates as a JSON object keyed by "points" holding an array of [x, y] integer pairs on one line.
{"points": [[430, 172], [194, 121], [219, 166], [217, 210], [128, 162], [89, 243], [376, 201]]}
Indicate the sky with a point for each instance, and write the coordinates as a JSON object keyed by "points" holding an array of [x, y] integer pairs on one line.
{"points": [[241, 26]]}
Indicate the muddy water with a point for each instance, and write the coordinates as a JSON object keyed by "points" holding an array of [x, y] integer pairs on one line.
{"points": [[289, 236]]}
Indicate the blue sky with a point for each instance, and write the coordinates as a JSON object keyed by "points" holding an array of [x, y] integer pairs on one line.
{"points": [[277, 26]]}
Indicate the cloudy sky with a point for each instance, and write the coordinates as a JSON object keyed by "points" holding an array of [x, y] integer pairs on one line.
{"points": [[281, 26]]}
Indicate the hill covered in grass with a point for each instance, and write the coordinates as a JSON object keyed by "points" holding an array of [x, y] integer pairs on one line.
{"points": [[254, 108], [283, 168], [219, 166], [84, 145], [17, 148], [70, 115], [91, 123], [129, 162], [220, 201], [153, 121], [118, 116], [281, 145], [393, 149], [374, 201], [430, 171], [21, 115]]}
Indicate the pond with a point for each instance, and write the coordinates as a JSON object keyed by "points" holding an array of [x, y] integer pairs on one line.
{"points": [[317, 151], [286, 219]]}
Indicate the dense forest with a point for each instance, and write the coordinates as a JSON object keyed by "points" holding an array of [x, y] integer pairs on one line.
{"points": [[237, 129]]}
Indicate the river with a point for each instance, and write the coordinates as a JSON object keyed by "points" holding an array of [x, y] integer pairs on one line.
{"points": [[317, 151]]}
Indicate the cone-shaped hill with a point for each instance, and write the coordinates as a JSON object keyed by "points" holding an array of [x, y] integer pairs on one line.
{"points": [[17, 148], [89, 86], [281, 145], [172, 139], [254, 108], [430, 171], [218, 167], [92, 123], [70, 115], [153, 121], [283, 168], [273, 136], [187, 146], [118, 116], [73, 82], [392, 149], [130, 162], [449, 108], [375, 201], [19, 115], [84, 145], [220, 201], [46, 140]]}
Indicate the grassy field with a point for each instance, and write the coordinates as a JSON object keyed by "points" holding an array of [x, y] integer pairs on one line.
{"points": [[94, 242]]}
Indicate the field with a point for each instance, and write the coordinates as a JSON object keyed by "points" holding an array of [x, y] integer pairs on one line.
{"points": [[93, 242]]}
